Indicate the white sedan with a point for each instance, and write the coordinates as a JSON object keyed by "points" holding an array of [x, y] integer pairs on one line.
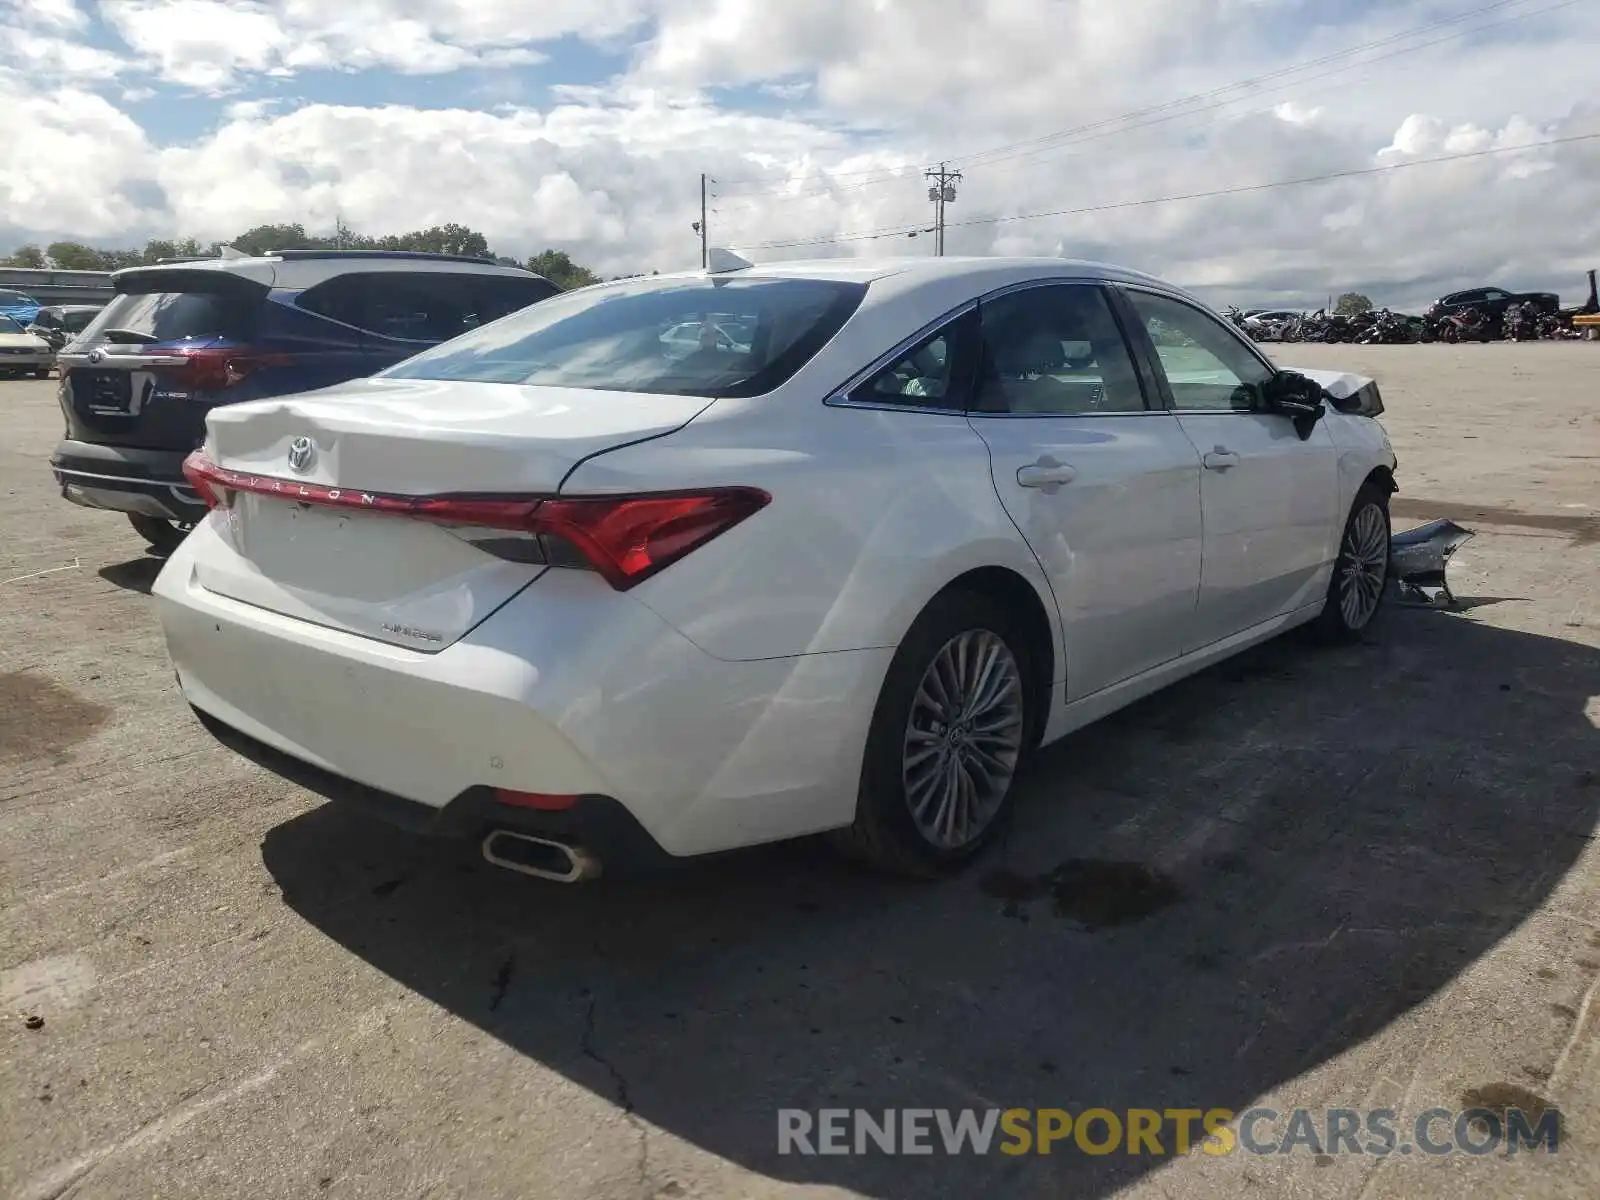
{"points": [[563, 588]]}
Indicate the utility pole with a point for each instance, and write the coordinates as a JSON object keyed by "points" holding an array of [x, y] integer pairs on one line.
{"points": [[941, 193], [705, 258]]}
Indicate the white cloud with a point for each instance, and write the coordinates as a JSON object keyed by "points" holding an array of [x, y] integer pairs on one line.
{"points": [[212, 45], [46, 57], [609, 170], [58, 14], [48, 129]]}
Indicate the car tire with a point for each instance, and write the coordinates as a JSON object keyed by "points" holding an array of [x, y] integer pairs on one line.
{"points": [[41, 372], [1360, 582], [164, 536], [906, 822]]}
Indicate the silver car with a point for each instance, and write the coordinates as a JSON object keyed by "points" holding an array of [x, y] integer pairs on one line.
{"points": [[22, 353]]}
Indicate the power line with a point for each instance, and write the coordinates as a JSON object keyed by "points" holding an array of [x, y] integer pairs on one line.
{"points": [[1160, 120], [997, 153], [900, 231]]}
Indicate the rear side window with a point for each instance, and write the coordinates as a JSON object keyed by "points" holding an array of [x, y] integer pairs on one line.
{"points": [[175, 316], [1055, 351], [430, 307], [17, 298], [695, 337]]}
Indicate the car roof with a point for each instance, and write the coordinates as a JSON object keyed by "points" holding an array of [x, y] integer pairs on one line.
{"points": [[304, 269], [929, 270]]}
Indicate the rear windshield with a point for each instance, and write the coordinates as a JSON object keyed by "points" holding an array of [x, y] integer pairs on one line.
{"points": [[698, 337], [174, 316]]}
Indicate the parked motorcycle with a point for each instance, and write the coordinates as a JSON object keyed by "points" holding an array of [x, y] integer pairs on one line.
{"points": [[1386, 327], [1468, 325], [1521, 322]]}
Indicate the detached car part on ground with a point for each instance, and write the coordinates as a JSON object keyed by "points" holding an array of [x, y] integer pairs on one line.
{"points": [[671, 566], [181, 339]]}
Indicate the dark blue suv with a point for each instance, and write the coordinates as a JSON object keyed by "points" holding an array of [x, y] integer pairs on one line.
{"points": [[181, 338]]}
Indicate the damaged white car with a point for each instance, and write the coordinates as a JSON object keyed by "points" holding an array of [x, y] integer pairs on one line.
{"points": [[594, 591]]}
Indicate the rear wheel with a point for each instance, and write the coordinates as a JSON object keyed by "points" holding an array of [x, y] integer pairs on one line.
{"points": [[1361, 572], [164, 536], [952, 725]]}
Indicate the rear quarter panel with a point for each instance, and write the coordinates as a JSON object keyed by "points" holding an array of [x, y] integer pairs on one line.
{"points": [[872, 514]]}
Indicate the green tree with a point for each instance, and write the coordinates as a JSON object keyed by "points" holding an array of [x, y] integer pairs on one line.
{"points": [[263, 238], [159, 248], [75, 256], [29, 256], [440, 239], [560, 270], [1352, 304]]}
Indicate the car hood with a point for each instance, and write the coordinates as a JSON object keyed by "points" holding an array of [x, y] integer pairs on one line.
{"points": [[23, 341]]}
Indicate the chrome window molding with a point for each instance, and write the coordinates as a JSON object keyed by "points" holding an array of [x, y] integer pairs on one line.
{"points": [[839, 397]]}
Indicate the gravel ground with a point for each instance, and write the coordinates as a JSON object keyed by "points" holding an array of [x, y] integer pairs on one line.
{"points": [[1375, 865]]}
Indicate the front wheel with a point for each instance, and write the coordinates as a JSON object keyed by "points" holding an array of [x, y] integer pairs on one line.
{"points": [[164, 536], [1361, 572], [953, 724]]}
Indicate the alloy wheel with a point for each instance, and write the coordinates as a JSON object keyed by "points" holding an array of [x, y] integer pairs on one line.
{"points": [[963, 738], [1364, 566]]}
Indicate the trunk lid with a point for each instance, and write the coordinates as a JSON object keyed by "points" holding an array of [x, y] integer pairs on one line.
{"points": [[393, 578]]}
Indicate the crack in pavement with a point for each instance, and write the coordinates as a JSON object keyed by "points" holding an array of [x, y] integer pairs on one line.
{"points": [[619, 1083]]}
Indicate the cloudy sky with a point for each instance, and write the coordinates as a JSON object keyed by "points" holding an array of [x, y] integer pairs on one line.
{"points": [[585, 125]]}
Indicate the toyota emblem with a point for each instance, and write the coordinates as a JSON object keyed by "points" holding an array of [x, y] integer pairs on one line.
{"points": [[301, 452]]}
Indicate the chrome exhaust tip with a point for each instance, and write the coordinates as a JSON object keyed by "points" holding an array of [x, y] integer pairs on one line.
{"points": [[540, 857]]}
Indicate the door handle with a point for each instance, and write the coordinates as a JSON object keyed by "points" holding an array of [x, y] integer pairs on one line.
{"points": [[1046, 474], [1220, 459]]}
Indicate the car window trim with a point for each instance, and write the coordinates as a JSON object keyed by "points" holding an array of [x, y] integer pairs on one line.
{"points": [[839, 397], [1147, 347]]}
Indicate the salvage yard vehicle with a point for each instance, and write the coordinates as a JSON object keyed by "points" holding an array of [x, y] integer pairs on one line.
{"points": [[58, 324], [180, 339], [22, 352], [561, 588]]}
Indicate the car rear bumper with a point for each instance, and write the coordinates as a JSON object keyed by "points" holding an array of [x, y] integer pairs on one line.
{"points": [[568, 689], [126, 479]]}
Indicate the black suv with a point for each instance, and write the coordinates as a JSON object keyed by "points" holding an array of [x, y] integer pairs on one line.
{"points": [[181, 338], [1493, 302]]}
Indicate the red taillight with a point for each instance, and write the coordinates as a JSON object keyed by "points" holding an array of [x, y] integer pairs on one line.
{"points": [[211, 368], [628, 539], [540, 800], [625, 538]]}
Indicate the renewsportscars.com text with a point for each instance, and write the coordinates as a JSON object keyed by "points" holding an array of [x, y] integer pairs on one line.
{"points": [[1378, 1132]]}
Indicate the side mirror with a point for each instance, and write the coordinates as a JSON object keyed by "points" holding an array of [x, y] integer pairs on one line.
{"points": [[1292, 395]]}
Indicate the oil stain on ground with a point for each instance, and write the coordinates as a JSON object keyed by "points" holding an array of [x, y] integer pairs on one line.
{"points": [[1502, 1098], [40, 719], [1091, 893]]}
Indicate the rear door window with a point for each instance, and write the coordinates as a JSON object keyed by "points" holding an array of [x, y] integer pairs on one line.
{"points": [[422, 306]]}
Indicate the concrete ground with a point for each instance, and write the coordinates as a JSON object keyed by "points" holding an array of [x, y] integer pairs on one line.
{"points": [[1379, 861]]}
